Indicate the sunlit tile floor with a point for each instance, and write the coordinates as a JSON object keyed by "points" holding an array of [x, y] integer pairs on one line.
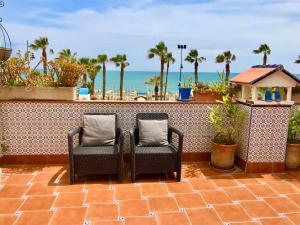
{"points": [[40, 194]]}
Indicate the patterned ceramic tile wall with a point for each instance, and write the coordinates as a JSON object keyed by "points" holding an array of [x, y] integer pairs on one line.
{"points": [[268, 134], [41, 128], [243, 137]]}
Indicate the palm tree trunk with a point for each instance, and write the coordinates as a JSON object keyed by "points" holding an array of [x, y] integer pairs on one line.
{"points": [[265, 59], [93, 87], [44, 55], [121, 82], [156, 92], [227, 71], [104, 82], [167, 76], [196, 72], [162, 65]]}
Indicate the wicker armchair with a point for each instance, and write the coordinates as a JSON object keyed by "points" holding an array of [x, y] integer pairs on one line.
{"points": [[96, 159], [155, 159]]}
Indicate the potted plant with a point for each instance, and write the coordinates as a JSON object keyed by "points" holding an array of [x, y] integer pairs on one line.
{"points": [[3, 145], [185, 89], [213, 91], [19, 81], [226, 120], [292, 159]]}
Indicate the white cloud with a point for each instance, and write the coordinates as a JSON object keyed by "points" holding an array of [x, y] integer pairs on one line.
{"points": [[210, 27]]}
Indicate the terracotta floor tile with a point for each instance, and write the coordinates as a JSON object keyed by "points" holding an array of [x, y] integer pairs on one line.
{"points": [[284, 176], [172, 218], [258, 209], [69, 199], [262, 191], [282, 205], [224, 181], [55, 168], [100, 196], [69, 188], [102, 212], [210, 172], [97, 185], [247, 223], [243, 178], [232, 213], [202, 184], [103, 222], [133, 208], [140, 221], [68, 216], [17, 179], [7, 219], [295, 198], [283, 187], [154, 189], [294, 217], [126, 193], [215, 197], [239, 193], [179, 187], [44, 178], [38, 217], [267, 177], [162, 204], [9, 205], [204, 216], [190, 200], [40, 202], [41, 189], [275, 221], [13, 191]]}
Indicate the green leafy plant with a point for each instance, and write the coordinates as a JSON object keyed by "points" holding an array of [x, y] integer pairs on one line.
{"points": [[65, 73], [3, 145], [187, 82], [226, 120], [294, 127]]}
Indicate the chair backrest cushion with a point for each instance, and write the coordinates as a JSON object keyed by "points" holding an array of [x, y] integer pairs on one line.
{"points": [[98, 130], [153, 132]]}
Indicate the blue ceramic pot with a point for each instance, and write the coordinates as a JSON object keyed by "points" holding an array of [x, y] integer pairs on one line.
{"points": [[184, 93], [268, 96], [277, 96]]}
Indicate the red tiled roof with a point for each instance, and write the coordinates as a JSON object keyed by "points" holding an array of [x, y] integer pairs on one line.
{"points": [[252, 75]]}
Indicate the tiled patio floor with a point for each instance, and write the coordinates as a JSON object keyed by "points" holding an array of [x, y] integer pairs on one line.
{"points": [[40, 194]]}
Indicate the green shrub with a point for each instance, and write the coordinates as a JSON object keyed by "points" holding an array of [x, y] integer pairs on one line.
{"points": [[294, 127]]}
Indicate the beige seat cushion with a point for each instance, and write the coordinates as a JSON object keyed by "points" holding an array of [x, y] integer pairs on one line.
{"points": [[153, 132], [99, 130]]}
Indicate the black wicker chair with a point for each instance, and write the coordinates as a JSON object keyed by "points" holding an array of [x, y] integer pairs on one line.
{"points": [[98, 159], [155, 159]]}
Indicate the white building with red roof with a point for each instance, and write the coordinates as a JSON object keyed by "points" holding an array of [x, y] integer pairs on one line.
{"points": [[263, 78]]}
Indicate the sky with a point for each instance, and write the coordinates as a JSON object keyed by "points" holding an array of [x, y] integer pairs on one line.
{"points": [[92, 27]]}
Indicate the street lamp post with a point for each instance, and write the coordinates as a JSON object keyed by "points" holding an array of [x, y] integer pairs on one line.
{"points": [[181, 47]]}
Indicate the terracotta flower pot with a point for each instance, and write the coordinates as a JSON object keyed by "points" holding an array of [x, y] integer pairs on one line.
{"points": [[292, 158], [206, 97], [222, 156]]}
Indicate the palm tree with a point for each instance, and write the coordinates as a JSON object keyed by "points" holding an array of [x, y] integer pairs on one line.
{"points": [[103, 59], [228, 58], [160, 50], [265, 49], [298, 60], [169, 59], [67, 55], [93, 68], [155, 80], [193, 57], [121, 61], [42, 43], [85, 62]]}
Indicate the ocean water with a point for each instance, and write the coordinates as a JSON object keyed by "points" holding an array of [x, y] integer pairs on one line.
{"points": [[135, 80]]}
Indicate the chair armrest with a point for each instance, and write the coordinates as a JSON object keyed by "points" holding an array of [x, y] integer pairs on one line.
{"points": [[71, 135], [180, 137], [132, 140], [120, 139]]}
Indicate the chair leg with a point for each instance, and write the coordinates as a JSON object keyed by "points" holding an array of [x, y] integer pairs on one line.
{"points": [[72, 177], [120, 177], [178, 175], [133, 177]]}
